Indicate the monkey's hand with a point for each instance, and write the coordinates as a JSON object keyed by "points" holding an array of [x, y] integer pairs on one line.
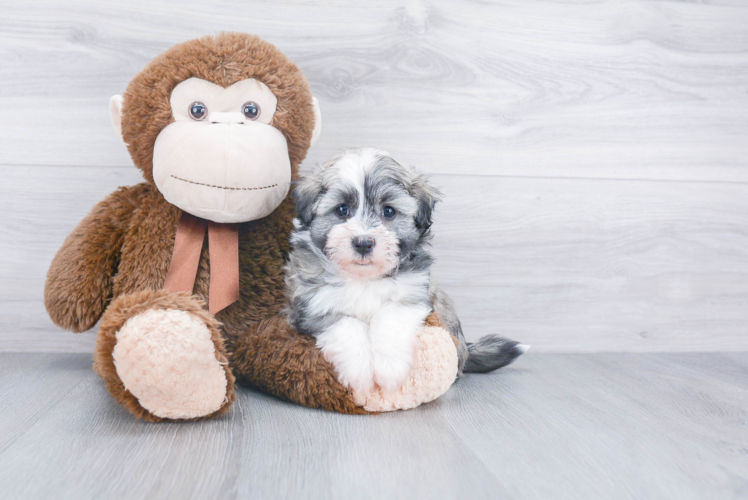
{"points": [[79, 280], [272, 357], [346, 345], [433, 372]]}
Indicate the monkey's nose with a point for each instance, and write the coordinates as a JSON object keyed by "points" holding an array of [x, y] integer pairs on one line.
{"points": [[223, 117], [363, 244]]}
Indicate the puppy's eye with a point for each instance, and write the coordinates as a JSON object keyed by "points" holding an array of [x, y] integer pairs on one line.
{"points": [[388, 212], [251, 110], [342, 211], [198, 111]]}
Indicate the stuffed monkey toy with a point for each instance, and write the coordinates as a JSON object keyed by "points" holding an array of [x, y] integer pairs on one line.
{"points": [[183, 272]]}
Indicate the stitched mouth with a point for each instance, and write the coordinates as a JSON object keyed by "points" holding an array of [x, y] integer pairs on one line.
{"points": [[223, 187]]}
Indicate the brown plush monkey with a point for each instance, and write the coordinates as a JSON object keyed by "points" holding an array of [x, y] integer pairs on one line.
{"points": [[218, 126]]}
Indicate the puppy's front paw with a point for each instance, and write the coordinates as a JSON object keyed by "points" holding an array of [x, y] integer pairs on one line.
{"points": [[359, 378], [346, 345], [394, 331], [390, 372]]}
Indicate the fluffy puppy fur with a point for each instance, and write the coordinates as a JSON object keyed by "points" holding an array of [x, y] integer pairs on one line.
{"points": [[358, 273]]}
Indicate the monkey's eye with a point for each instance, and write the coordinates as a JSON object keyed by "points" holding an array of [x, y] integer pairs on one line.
{"points": [[388, 212], [342, 211], [251, 110], [198, 111]]}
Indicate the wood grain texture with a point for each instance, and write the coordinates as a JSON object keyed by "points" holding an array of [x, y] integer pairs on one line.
{"points": [[621, 89], [639, 426], [592, 155], [596, 265], [569, 265]]}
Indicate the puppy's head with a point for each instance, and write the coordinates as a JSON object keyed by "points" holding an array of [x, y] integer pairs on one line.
{"points": [[365, 211]]}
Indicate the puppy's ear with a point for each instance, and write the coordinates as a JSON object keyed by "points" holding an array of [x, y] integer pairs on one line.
{"points": [[306, 192], [427, 197]]}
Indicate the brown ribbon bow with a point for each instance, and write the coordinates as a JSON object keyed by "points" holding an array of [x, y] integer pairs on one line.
{"points": [[223, 248]]}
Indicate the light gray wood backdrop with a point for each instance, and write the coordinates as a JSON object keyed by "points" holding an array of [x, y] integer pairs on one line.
{"points": [[593, 155]]}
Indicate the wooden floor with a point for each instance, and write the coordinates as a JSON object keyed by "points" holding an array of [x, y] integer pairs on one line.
{"points": [[550, 426]]}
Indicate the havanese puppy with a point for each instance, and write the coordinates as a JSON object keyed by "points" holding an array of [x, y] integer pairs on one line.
{"points": [[358, 272]]}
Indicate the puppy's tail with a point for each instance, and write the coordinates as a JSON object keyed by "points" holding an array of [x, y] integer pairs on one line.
{"points": [[492, 352]]}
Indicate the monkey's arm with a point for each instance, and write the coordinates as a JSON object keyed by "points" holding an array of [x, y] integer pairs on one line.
{"points": [[79, 280], [272, 357]]}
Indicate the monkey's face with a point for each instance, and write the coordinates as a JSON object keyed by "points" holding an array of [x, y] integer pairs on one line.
{"points": [[221, 159], [219, 125]]}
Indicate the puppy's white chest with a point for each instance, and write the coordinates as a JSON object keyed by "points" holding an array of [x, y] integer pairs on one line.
{"points": [[364, 299]]}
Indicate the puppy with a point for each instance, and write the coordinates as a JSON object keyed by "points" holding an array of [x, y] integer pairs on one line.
{"points": [[358, 272]]}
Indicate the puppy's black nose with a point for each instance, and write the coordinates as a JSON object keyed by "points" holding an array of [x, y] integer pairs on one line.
{"points": [[363, 244]]}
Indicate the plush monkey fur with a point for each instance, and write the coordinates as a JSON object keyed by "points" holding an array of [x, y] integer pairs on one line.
{"points": [[115, 262]]}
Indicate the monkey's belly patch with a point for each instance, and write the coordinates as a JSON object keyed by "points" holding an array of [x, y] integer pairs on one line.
{"points": [[224, 187]]}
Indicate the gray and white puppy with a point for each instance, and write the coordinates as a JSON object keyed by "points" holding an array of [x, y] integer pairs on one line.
{"points": [[358, 273]]}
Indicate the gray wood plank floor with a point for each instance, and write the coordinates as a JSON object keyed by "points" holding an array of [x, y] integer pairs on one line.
{"points": [[571, 426]]}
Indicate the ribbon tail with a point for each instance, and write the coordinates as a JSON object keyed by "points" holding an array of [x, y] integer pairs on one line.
{"points": [[223, 245], [185, 258]]}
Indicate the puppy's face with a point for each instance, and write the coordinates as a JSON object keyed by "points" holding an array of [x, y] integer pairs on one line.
{"points": [[365, 211]]}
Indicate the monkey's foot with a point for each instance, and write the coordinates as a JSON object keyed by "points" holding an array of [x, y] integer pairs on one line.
{"points": [[162, 357], [434, 371]]}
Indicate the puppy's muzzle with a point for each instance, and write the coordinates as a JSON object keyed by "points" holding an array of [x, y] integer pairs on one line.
{"points": [[363, 245]]}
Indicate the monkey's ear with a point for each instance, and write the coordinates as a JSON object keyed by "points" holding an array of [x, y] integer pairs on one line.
{"points": [[317, 121], [115, 112]]}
